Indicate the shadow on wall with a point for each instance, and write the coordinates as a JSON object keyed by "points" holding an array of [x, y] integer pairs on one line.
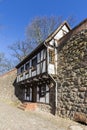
{"points": [[18, 91]]}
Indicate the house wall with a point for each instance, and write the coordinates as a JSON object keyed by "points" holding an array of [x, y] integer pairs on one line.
{"points": [[32, 71], [46, 102], [10, 92], [72, 76], [7, 89]]}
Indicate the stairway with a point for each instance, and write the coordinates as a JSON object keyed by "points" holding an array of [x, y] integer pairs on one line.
{"points": [[28, 106]]}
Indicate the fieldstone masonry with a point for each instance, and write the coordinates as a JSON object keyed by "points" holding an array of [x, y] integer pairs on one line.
{"points": [[72, 76], [7, 90]]}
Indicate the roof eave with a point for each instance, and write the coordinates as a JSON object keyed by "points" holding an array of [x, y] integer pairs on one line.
{"points": [[56, 31], [30, 54]]}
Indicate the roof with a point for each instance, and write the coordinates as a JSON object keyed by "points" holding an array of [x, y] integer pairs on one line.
{"points": [[31, 54], [45, 41], [81, 23], [57, 30], [81, 26]]}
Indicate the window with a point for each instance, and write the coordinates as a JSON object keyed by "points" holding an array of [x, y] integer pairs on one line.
{"points": [[34, 62], [27, 66], [22, 69], [39, 57], [51, 56], [42, 91]]}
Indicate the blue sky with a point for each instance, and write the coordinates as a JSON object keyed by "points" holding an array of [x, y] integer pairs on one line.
{"points": [[16, 14]]}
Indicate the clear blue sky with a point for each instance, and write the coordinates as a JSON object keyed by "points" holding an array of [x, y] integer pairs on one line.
{"points": [[16, 14]]}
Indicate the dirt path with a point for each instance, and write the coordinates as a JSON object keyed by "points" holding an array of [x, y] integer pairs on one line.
{"points": [[12, 118]]}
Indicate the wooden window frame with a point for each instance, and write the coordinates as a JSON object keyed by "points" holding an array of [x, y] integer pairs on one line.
{"points": [[42, 91], [27, 66], [18, 71], [51, 56], [22, 69], [34, 63]]}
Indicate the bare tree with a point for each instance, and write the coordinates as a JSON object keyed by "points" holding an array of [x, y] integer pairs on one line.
{"points": [[20, 49], [71, 20], [40, 27], [36, 32], [5, 65]]}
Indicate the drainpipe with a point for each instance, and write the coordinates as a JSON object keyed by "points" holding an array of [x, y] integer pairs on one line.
{"points": [[55, 92], [45, 44], [52, 77], [47, 54], [56, 98]]}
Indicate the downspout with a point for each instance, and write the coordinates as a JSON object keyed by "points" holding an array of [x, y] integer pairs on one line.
{"points": [[56, 64], [45, 44], [55, 92], [56, 98], [47, 56], [53, 80]]}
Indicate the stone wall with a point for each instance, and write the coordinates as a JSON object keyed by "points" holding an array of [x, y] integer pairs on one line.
{"points": [[7, 90], [72, 76]]}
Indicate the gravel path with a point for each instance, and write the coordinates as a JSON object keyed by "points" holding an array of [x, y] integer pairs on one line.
{"points": [[12, 118]]}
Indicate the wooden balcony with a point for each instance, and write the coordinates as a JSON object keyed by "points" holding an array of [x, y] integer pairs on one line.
{"points": [[33, 71]]}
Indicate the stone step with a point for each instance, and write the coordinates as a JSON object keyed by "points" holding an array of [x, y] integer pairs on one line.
{"points": [[22, 106], [31, 106], [28, 106]]}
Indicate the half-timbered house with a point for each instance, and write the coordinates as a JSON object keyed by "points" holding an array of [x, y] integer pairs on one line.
{"points": [[35, 73], [55, 72]]}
